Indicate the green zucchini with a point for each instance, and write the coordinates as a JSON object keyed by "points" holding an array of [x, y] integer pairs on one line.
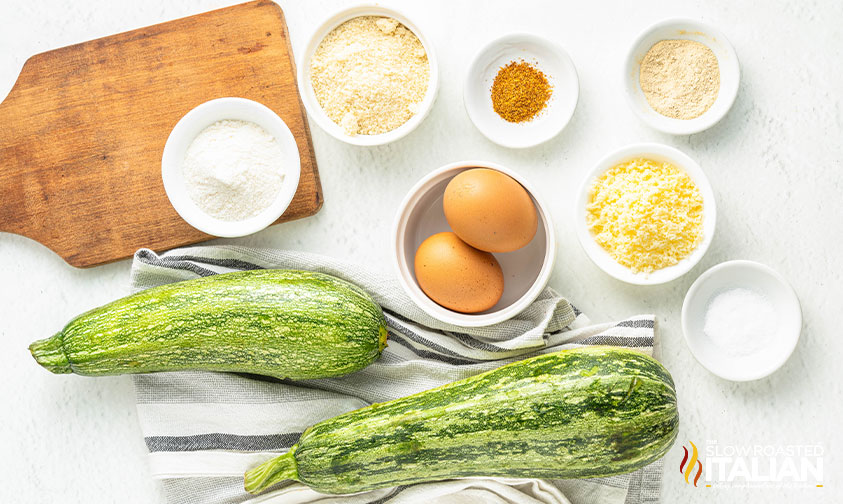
{"points": [[582, 413], [280, 323]]}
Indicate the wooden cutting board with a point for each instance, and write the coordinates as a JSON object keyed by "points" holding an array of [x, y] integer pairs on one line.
{"points": [[84, 128]]}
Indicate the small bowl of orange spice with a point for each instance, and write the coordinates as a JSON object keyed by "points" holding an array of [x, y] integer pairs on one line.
{"points": [[521, 90]]}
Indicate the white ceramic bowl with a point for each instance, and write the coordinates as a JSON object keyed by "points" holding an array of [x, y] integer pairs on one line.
{"points": [[526, 271], [312, 104], [762, 280], [688, 29], [656, 152], [548, 57], [190, 126]]}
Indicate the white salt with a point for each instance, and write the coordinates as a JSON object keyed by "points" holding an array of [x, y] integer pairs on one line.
{"points": [[740, 321]]}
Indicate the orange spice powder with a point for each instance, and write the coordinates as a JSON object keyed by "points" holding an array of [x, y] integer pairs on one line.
{"points": [[520, 91]]}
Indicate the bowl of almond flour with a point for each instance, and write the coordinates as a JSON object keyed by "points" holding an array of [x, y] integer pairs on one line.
{"points": [[368, 76], [230, 167]]}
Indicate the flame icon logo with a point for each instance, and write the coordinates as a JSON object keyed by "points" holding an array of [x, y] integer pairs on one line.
{"points": [[689, 468]]}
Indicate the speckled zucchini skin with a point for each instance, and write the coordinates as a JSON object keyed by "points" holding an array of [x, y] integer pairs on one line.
{"points": [[583, 413], [280, 323]]}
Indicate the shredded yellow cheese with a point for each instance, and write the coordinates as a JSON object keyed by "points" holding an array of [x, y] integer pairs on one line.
{"points": [[648, 215]]}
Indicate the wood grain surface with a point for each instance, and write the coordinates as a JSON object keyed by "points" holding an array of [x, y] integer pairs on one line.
{"points": [[84, 128]]}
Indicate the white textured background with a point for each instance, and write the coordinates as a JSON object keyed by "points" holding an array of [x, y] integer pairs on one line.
{"points": [[774, 162]]}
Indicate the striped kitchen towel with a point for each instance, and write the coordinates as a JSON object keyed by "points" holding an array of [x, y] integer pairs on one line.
{"points": [[205, 429]]}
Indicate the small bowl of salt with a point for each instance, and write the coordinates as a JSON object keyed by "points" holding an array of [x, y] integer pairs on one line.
{"points": [[741, 320], [230, 167]]}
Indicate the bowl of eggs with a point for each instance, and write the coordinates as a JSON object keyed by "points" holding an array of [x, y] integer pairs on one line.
{"points": [[473, 244]]}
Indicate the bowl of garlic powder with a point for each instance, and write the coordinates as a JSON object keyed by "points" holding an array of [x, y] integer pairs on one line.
{"points": [[230, 167], [681, 76], [368, 76]]}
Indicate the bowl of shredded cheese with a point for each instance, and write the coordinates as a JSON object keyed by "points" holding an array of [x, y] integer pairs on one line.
{"points": [[368, 76], [646, 214]]}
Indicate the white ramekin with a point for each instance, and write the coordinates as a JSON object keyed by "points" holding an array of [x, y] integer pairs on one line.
{"points": [[757, 278], [190, 126], [312, 104], [526, 270], [551, 59], [727, 60], [656, 152]]}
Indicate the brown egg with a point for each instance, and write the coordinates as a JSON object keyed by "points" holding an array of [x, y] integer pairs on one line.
{"points": [[458, 276], [490, 210]]}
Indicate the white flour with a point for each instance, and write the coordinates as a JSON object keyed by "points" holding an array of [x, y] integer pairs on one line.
{"points": [[233, 170], [740, 321]]}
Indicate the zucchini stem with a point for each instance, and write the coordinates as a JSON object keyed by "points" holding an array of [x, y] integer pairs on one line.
{"points": [[49, 353], [382, 335], [279, 469]]}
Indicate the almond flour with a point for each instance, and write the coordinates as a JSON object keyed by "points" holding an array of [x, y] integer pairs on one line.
{"points": [[680, 78], [370, 74]]}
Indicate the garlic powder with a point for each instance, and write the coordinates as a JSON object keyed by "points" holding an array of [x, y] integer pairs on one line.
{"points": [[680, 78], [370, 74]]}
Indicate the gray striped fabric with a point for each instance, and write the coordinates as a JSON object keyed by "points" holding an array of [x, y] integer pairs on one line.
{"points": [[204, 429]]}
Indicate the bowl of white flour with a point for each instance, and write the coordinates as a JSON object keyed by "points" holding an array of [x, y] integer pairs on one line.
{"points": [[230, 167]]}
